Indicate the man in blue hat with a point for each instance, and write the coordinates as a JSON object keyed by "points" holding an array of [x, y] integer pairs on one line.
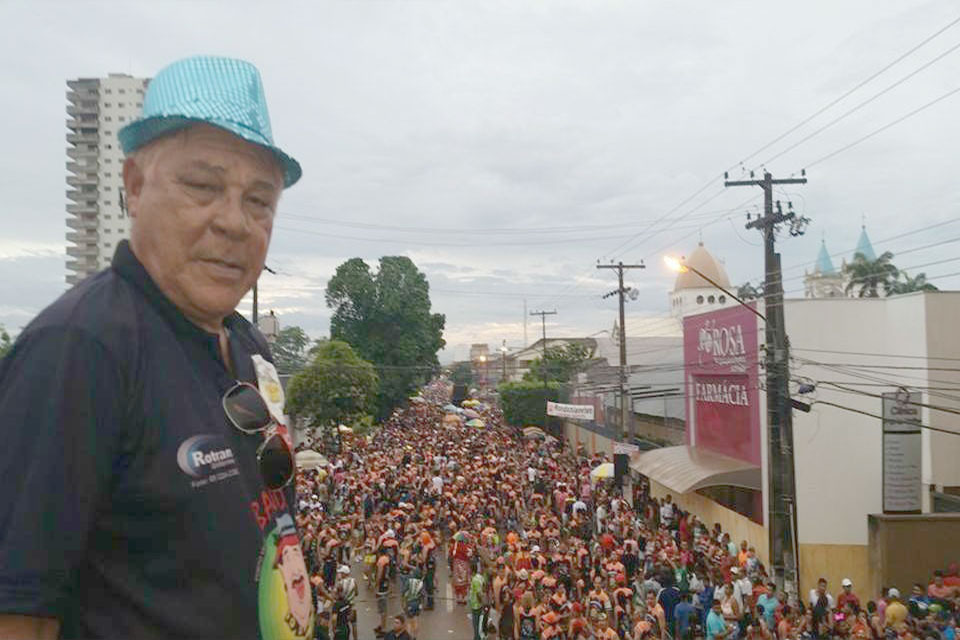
{"points": [[147, 473]]}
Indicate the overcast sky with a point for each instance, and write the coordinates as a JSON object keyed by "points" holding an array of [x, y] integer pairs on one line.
{"points": [[506, 146]]}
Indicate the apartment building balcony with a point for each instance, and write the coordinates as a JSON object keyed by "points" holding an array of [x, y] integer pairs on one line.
{"points": [[83, 251], [82, 122], [81, 208], [81, 152], [81, 223], [84, 107], [81, 269], [84, 193], [84, 137], [87, 236], [83, 179], [81, 168]]}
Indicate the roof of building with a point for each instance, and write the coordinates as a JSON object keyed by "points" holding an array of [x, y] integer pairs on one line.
{"points": [[864, 246], [701, 260], [824, 263]]}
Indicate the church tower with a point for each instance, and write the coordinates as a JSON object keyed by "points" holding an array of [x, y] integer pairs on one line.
{"points": [[824, 281], [692, 294]]}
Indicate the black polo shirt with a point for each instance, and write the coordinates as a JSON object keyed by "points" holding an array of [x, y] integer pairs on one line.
{"points": [[129, 506]]}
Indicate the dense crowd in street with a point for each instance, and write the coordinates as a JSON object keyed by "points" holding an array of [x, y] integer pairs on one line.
{"points": [[539, 551]]}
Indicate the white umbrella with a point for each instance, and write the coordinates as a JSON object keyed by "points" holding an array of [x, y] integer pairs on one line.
{"points": [[310, 459]]}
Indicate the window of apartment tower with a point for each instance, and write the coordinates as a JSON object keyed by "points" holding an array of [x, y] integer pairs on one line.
{"points": [[711, 299], [699, 299]]}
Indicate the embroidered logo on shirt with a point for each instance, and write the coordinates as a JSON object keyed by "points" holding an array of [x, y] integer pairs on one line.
{"points": [[206, 458]]}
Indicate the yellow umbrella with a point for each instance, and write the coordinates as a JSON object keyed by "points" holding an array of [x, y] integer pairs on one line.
{"points": [[602, 471]]}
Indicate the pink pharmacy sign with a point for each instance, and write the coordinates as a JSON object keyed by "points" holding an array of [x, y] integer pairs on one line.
{"points": [[722, 375]]}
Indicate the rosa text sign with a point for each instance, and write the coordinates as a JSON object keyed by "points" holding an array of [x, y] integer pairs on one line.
{"points": [[721, 354]]}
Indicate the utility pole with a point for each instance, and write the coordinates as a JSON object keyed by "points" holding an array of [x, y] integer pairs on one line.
{"points": [[543, 364], [503, 361], [254, 314], [782, 506], [625, 399]]}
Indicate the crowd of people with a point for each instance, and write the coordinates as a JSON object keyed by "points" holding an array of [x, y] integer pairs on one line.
{"points": [[538, 551]]}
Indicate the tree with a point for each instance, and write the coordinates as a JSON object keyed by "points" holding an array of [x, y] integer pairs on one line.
{"points": [[868, 277], [905, 284], [386, 317], [747, 291], [524, 403], [290, 350], [337, 387], [562, 363], [6, 344]]}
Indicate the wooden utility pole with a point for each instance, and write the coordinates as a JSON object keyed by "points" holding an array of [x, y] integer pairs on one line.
{"points": [[625, 400], [543, 363], [254, 314], [782, 504]]}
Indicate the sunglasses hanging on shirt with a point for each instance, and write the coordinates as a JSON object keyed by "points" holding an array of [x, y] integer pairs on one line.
{"points": [[248, 412]]}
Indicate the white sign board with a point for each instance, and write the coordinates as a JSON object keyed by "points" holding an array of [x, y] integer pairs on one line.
{"points": [[572, 411], [902, 458], [623, 447]]}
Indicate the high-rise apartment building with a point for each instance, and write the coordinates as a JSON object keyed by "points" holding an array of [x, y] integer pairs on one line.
{"points": [[98, 108]]}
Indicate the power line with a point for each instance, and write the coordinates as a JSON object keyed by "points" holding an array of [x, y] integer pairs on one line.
{"points": [[862, 104], [882, 129], [852, 90]]}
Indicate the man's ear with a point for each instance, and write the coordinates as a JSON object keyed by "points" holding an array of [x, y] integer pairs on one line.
{"points": [[133, 179]]}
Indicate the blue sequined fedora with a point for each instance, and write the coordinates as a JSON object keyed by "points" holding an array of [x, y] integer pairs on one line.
{"points": [[223, 92]]}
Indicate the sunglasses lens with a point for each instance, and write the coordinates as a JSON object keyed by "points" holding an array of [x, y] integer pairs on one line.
{"points": [[246, 408], [276, 463]]}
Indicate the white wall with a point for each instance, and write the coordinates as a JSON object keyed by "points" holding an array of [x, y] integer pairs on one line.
{"points": [[838, 452], [941, 450]]}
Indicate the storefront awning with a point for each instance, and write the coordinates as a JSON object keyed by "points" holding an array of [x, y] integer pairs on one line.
{"points": [[684, 469]]}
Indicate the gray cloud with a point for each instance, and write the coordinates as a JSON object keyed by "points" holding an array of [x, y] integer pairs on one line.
{"points": [[483, 116]]}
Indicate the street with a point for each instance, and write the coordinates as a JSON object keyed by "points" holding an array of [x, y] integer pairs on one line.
{"points": [[447, 620]]}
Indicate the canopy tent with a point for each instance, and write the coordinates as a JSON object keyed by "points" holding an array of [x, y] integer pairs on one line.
{"points": [[310, 459], [684, 469], [476, 422], [533, 432], [344, 429], [601, 471], [417, 399], [470, 413], [470, 403], [451, 408]]}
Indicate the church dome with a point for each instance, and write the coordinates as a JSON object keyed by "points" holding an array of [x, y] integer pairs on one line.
{"points": [[702, 261]]}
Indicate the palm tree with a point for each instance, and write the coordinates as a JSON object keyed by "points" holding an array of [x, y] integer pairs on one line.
{"points": [[908, 284], [868, 277]]}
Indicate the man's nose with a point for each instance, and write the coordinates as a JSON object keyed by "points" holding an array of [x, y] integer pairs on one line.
{"points": [[230, 218]]}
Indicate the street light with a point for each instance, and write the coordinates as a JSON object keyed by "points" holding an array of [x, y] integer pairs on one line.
{"points": [[678, 265]]}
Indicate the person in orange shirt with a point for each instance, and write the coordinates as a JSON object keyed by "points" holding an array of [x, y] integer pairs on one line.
{"points": [[743, 556], [602, 630]]}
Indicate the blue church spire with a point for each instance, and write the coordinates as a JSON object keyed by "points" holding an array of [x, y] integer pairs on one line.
{"points": [[864, 246], [824, 263]]}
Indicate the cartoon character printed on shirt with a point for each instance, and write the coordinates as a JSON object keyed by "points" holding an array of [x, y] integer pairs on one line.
{"points": [[289, 561], [286, 606]]}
